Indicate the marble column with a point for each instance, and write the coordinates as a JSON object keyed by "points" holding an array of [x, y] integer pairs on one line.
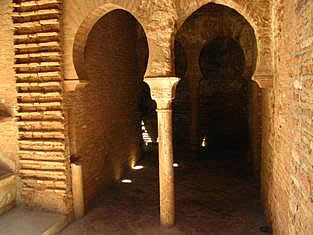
{"points": [[163, 92]]}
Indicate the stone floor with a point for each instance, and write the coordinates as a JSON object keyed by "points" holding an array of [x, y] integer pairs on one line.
{"points": [[215, 193], [25, 221]]}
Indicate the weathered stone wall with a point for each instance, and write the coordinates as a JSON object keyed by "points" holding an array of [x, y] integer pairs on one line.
{"points": [[8, 128], [8, 105], [8, 192], [104, 116], [287, 159]]}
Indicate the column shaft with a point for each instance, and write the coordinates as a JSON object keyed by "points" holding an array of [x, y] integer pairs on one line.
{"points": [[163, 92], [166, 171]]}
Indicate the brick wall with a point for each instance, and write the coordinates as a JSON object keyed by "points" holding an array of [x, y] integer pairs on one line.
{"points": [[104, 117], [43, 162], [8, 128], [287, 164], [103, 109], [224, 113], [182, 117]]}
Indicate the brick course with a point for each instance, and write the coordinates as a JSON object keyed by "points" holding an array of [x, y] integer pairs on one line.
{"points": [[47, 125], [43, 162], [287, 170]]}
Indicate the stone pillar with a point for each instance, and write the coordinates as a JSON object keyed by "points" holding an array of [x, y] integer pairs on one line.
{"points": [[163, 92], [78, 190], [160, 28]]}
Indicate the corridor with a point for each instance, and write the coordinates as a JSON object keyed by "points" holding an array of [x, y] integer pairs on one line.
{"points": [[215, 194]]}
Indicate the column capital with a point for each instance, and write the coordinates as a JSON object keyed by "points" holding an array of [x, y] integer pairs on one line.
{"points": [[163, 90]]}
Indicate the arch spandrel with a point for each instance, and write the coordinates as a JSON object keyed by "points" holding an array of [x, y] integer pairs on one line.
{"points": [[80, 14], [257, 16], [158, 19]]}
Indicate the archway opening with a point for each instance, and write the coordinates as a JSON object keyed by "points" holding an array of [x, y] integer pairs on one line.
{"points": [[216, 111], [223, 123], [105, 121], [222, 58], [215, 55]]}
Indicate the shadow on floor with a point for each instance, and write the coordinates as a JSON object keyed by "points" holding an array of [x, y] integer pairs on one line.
{"points": [[215, 194]]}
